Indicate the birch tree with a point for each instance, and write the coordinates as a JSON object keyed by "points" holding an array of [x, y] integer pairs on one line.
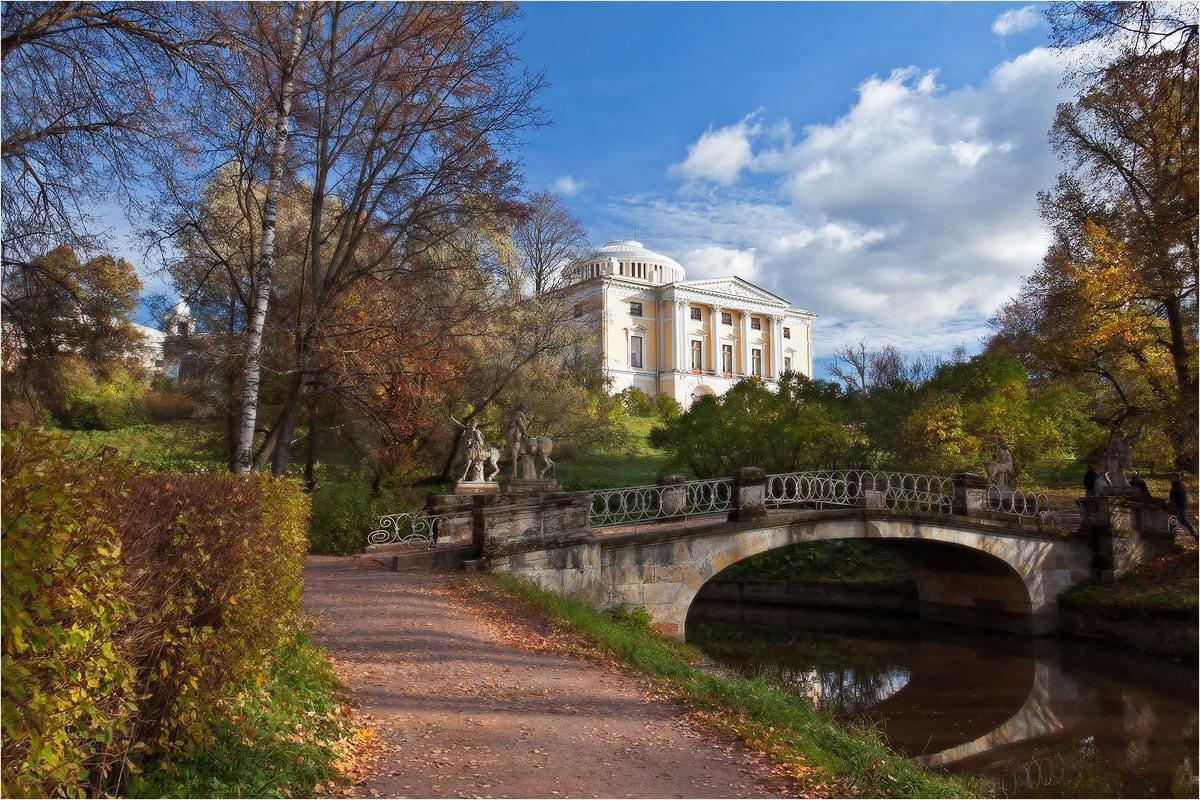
{"points": [[288, 63]]}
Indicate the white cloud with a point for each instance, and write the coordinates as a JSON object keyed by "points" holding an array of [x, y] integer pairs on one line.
{"points": [[711, 261], [1016, 20], [720, 155], [567, 186], [907, 220]]}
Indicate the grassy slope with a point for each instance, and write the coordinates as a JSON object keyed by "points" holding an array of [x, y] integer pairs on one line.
{"points": [[635, 464], [185, 443], [1165, 586]]}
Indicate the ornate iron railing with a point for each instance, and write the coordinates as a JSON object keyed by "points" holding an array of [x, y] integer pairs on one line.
{"points": [[1064, 513], [638, 504], [1177, 525], [414, 527], [895, 491]]}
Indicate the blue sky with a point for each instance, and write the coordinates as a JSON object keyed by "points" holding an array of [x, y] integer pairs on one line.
{"points": [[876, 163]]}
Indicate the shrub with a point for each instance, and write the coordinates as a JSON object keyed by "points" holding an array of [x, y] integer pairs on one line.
{"points": [[343, 511], [138, 599], [163, 405], [666, 407], [17, 412], [636, 401], [89, 402], [68, 696]]}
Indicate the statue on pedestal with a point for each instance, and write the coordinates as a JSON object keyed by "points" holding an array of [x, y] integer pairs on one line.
{"points": [[524, 450], [1000, 470], [478, 456], [1117, 459]]}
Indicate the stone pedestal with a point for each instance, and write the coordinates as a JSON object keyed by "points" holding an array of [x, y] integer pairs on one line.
{"points": [[476, 487], [970, 494], [1126, 529], [519, 486], [512, 524], [749, 495], [673, 500]]}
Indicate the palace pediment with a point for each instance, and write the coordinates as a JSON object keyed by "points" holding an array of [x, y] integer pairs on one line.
{"points": [[733, 287]]}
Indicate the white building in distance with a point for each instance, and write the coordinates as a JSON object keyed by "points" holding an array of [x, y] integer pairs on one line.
{"points": [[665, 335]]}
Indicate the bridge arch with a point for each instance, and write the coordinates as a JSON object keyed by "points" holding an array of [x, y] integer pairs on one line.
{"points": [[971, 574]]}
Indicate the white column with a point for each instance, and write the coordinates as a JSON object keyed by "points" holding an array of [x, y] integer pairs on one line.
{"points": [[680, 329], [745, 312], [776, 347], [714, 338], [808, 340]]}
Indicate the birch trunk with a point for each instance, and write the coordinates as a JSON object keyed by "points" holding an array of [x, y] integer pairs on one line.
{"points": [[258, 311]]}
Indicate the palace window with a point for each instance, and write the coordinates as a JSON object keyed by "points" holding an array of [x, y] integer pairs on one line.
{"points": [[635, 351], [787, 363], [787, 333], [726, 318], [755, 324], [697, 355], [635, 309], [756, 362], [695, 312], [727, 358]]}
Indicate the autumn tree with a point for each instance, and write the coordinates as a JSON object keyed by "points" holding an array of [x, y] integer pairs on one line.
{"points": [[407, 111], [62, 309], [1116, 296]]}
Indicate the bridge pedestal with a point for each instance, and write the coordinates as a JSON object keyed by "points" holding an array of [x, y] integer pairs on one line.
{"points": [[1126, 531], [749, 487]]}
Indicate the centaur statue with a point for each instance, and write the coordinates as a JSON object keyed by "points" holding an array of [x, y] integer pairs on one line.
{"points": [[523, 448], [478, 456], [1000, 471]]}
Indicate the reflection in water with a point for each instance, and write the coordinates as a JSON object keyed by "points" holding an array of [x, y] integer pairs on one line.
{"points": [[1038, 717]]}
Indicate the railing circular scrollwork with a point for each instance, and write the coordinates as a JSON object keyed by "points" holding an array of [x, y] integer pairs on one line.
{"points": [[1178, 526], [634, 504], [895, 491], [414, 527], [1064, 513]]}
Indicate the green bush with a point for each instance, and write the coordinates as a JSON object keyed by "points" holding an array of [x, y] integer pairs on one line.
{"points": [[134, 602], [636, 401], [89, 402], [666, 407], [69, 697], [343, 511]]}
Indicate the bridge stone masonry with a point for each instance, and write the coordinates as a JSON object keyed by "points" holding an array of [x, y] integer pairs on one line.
{"points": [[980, 555]]}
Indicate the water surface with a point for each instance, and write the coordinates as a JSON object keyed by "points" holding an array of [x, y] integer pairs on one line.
{"points": [[1037, 717]]}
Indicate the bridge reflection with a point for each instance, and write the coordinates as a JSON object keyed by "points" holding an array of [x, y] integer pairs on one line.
{"points": [[1027, 714]]}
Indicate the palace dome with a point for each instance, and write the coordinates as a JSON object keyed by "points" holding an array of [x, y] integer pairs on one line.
{"points": [[631, 259]]}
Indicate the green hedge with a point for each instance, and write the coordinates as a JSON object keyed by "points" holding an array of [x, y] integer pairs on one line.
{"points": [[133, 602]]}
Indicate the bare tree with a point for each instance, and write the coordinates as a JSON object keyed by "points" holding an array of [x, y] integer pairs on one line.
{"points": [[87, 91], [547, 241], [863, 370]]}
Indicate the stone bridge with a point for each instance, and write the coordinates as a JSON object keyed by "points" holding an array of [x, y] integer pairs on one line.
{"points": [[980, 555]]}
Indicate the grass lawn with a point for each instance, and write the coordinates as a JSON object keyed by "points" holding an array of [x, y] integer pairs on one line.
{"points": [[634, 464], [184, 443]]}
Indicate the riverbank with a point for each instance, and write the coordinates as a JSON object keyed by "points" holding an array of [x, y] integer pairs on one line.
{"points": [[479, 687], [1153, 609]]}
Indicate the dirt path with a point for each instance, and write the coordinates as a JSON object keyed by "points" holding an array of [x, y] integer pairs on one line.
{"points": [[461, 712]]}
